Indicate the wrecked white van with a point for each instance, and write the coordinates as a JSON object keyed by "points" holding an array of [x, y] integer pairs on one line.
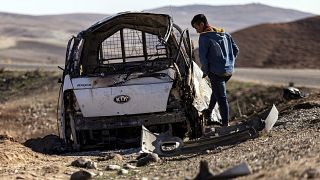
{"points": [[129, 70]]}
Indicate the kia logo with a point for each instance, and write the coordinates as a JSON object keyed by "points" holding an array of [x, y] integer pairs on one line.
{"points": [[121, 99]]}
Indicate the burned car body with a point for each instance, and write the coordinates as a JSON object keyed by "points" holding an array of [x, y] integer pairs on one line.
{"points": [[129, 70]]}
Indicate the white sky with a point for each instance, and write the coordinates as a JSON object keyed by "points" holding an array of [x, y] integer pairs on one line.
{"points": [[41, 7]]}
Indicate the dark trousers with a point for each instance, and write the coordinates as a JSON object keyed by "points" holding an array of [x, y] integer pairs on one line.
{"points": [[219, 94]]}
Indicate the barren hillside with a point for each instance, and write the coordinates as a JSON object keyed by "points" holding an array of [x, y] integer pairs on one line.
{"points": [[282, 45], [39, 39], [232, 17], [43, 39]]}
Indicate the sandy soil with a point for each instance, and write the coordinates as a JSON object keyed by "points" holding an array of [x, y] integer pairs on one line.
{"points": [[6, 42], [29, 117], [291, 151]]}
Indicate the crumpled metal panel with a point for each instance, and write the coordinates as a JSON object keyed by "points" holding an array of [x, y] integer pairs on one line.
{"points": [[202, 93], [153, 143], [271, 118], [146, 138], [202, 89], [165, 145]]}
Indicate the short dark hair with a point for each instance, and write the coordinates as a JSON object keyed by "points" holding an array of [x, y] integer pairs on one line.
{"points": [[199, 18]]}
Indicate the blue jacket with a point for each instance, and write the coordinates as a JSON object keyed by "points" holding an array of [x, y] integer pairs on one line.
{"points": [[217, 52]]}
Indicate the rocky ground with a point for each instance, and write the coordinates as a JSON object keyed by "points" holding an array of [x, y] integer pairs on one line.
{"points": [[27, 119]]}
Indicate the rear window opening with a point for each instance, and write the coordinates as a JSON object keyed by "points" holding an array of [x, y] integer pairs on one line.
{"points": [[129, 45]]}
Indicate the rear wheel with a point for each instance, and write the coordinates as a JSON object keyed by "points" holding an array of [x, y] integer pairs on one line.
{"points": [[71, 137], [70, 133]]}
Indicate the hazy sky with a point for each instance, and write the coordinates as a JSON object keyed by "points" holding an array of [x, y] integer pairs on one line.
{"points": [[39, 7]]}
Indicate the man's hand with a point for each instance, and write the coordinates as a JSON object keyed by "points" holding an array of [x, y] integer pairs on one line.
{"points": [[204, 75]]}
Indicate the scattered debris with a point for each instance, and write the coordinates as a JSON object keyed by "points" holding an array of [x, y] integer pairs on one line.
{"points": [[82, 175], [165, 145], [292, 93], [271, 118], [84, 163], [113, 167], [205, 174], [146, 158]]}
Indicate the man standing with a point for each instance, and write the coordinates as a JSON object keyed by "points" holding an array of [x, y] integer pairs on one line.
{"points": [[217, 52]]}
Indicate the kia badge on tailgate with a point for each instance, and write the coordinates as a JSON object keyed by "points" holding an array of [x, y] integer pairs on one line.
{"points": [[121, 99]]}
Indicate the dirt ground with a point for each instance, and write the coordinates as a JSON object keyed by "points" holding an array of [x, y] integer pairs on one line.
{"points": [[291, 151]]}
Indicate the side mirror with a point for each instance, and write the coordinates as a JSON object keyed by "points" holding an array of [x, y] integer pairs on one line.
{"points": [[59, 80]]}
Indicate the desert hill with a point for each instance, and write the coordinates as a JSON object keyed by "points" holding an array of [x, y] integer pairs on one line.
{"points": [[282, 45], [39, 39], [232, 17], [43, 39]]}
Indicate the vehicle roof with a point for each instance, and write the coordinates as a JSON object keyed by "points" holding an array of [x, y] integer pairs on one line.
{"points": [[158, 24]]}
